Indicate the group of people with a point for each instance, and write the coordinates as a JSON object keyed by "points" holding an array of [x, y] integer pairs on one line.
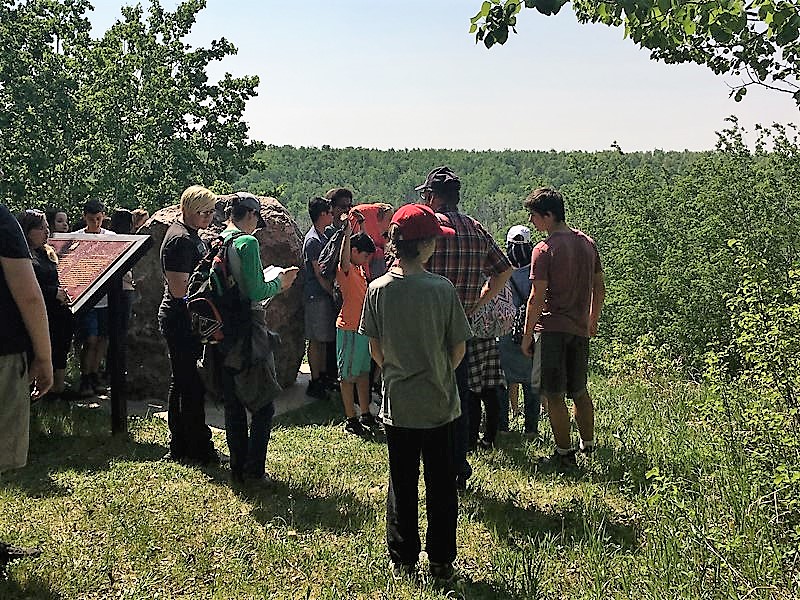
{"points": [[396, 307], [440, 379], [90, 331]]}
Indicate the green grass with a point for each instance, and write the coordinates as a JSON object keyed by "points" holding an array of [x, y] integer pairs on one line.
{"points": [[662, 510]]}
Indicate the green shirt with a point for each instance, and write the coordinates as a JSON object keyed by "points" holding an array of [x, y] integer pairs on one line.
{"points": [[418, 319], [249, 273]]}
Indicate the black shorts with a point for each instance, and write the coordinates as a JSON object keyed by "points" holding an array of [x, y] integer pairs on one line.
{"points": [[564, 363]]}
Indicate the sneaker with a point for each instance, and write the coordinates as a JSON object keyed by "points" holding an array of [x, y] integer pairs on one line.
{"points": [[9, 553], [98, 387], [368, 421], [587, 449], [442, 571], [86, 389], [354, 427], [486, 445], [558, 462], [316, 389], [264, 482], [399, 570]]}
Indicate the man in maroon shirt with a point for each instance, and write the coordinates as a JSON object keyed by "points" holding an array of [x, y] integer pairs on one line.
{"points": [[563, 308]]}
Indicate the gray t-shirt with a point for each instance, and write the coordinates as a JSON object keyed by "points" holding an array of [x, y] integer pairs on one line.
{"points": [[313, 244], [418, 319]]}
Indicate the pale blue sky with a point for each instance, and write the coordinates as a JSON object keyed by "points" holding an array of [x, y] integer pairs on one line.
{"points": [[406, 74]]}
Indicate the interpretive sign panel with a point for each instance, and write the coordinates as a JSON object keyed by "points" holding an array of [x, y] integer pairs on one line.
{"points": [[90, 266], [86, 262]]}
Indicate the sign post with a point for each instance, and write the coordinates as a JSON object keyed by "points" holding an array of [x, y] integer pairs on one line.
{"points": [[91, 266]]}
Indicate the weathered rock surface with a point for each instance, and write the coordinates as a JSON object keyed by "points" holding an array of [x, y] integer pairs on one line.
{"points": [[281, 244]]}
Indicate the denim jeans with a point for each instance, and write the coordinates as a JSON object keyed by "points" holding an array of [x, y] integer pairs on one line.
{"points": [[532, 406], [248, 451]]}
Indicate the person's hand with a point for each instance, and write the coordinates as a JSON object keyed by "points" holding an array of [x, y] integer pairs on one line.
{"points": [[357, 214], [40, 373], [62, 296], [527, 345], [288, 277]]}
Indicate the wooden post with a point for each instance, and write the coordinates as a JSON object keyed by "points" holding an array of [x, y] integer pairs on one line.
{"points": [[116, 340]]}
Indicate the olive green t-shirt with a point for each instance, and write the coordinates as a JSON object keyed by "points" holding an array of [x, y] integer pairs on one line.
{"points": [[418, 319]]}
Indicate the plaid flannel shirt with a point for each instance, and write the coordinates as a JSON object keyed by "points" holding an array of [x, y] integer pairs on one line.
{"points": [[468, 258]]}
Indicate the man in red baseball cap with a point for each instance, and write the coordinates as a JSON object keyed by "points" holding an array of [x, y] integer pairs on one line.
{"points": [[418, 332]]}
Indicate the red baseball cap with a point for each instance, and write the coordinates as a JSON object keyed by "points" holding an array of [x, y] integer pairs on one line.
{"points": [[419, 222]]}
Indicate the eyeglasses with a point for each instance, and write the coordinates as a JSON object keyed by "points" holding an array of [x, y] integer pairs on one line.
{"points": [[206, 213]]}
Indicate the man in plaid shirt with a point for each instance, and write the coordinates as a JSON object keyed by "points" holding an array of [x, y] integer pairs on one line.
{"points": [[466, 260]]}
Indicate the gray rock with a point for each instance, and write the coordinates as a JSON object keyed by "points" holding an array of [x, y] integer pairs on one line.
{"points": [[281, 244]]}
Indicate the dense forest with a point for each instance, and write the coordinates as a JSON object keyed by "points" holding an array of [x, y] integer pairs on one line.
{"points": [[493, 183]]}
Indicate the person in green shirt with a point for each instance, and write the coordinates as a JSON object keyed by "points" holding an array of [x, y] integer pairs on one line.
{"points": [[417, 330], [248, 373]]}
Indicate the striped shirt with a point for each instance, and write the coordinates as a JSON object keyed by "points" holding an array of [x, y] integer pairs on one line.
{"points": [[467, 258]]}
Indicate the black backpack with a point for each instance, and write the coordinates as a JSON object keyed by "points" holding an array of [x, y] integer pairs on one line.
{"points": [[212, 297], [329, 257]]}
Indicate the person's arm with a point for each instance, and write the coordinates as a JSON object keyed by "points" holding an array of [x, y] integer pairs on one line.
{"points": [[326, 284], [376, 351], [252, 284], [493, 287], [344, 251], [178, 283], [27, 295], [532, 314], [598, 298], [457, 353]]}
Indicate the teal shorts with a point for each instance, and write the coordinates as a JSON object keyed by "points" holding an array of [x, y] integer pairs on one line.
{"points": [[352, 354]]}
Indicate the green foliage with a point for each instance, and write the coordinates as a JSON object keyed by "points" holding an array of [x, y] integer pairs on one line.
{"points": [[130, 118], [758, 40], [671, 505]]}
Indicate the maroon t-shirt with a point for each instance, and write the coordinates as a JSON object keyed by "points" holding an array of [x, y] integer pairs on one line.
{"points": [[567, 260]]}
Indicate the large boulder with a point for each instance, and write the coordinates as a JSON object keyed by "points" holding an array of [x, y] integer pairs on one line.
{"points": [[281, 244]]}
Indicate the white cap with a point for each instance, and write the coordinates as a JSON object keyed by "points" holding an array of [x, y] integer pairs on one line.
{"points": [[519, 231]]}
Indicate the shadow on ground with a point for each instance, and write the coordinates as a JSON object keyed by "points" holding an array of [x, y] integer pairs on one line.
{"points": [[13, 589], [576, 522], [66, 438], [297, 507]]}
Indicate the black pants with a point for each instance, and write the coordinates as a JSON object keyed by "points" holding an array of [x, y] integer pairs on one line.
{"points": [[441, 498], [190, 437], [492, 404]]}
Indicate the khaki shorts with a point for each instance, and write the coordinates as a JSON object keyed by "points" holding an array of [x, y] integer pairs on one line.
{"points": [[15, 411]]}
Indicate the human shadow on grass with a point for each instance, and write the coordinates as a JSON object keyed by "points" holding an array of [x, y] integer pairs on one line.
{"points": [[321, 413], [32, 587], [612, 467], [73, 441], [568, 523], [293, 505], [464, 587]]}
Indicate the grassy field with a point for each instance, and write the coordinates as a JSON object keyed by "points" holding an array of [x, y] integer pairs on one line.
{"points": [[664, 509]]}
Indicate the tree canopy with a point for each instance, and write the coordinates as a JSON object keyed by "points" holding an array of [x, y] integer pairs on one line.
{"points": [[129, 118], [755, 40]]}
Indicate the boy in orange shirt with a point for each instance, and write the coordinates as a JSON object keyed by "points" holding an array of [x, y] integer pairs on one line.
{"points": [[352, 348]]}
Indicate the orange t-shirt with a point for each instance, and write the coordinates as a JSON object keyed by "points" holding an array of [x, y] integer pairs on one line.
{"points": [[354, 290]]}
